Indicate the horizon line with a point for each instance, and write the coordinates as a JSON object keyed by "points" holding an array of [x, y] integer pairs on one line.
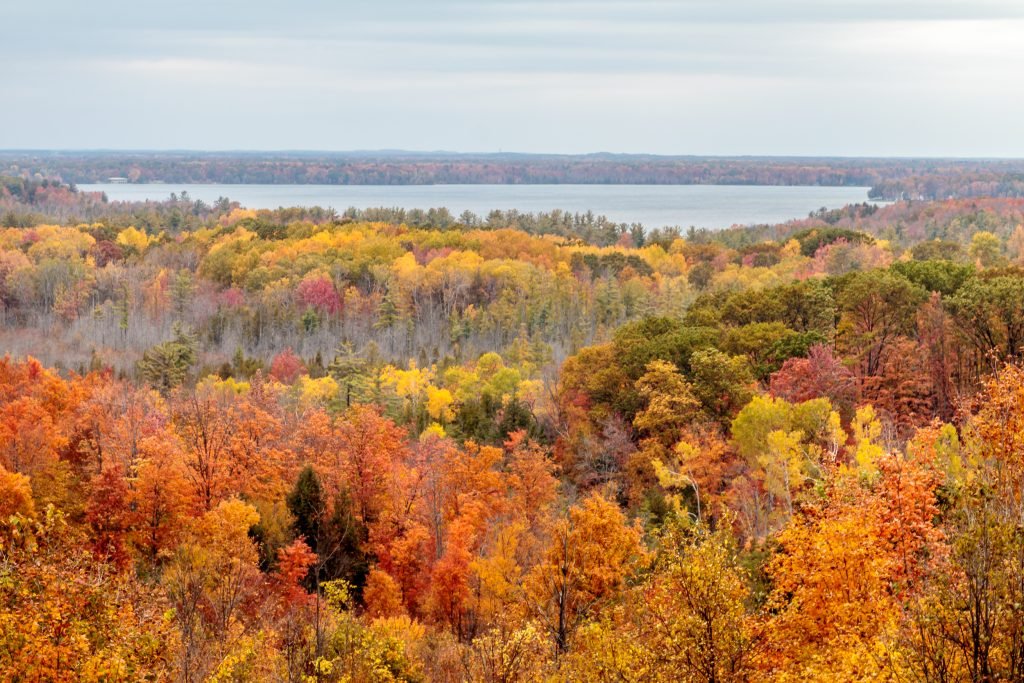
{"points": [[450, 153]]}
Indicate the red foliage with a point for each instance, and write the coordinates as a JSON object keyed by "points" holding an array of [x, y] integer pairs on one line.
{"points": [[286, 367], [319, 293], [293, 563], [106, 252], [232, 298], [820, 374], [108, 514]]}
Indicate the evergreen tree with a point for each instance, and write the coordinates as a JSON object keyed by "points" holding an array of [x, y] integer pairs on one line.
{"points": [[306, 503], [352, 373], [182, 289], [166, 365]]}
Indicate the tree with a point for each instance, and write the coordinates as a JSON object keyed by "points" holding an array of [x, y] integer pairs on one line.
{"points": [[986, 249], [697, 613], [204, 427], [787, 447], [109, 516], [972, 626], [847, 569], [294, 607], [686, 621], [286, 367], [182, 289], [876, 308], [988, 315], [67, 616], [352, 372], [721, 382], [819, 375], [590, 553], [15, 496], [669, 403], [166, 365], [212, 576], [29, 441], [160, 498], [306, 503], [319, 293], [369, 449]]}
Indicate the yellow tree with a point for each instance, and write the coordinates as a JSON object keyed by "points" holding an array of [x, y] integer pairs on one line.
{"points": [[849, 567], [686, 621], [591, 552], [213, 574]]}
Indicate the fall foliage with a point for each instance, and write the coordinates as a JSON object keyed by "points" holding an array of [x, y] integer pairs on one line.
{"points": [[294, 446]]}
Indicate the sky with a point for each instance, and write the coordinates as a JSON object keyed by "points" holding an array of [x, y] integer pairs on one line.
{"points": [[708, 77]]}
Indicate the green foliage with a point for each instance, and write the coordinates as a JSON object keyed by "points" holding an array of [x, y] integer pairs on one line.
{"points": [[330, 530], [876, 308], [637, 344], [307, 504], [802, 306], [986, 249], [989, 313], [721, 382], [182, 289], [942, 276], [244, 366], [768, 345], [166, 365], [937, 250], [813, 239], [765, 414]]}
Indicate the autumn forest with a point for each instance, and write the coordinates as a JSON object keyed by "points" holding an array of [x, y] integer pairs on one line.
{"points": [[387, 445]]}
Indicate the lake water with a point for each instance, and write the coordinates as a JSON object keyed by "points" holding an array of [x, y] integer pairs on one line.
{"points": [[706, 206]]}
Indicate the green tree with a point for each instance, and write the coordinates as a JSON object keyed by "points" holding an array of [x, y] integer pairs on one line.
{"points": [[182, 288], [986, 249], [166, 365], [876, 308], [721, 382], [989, 314], [352, 373]]}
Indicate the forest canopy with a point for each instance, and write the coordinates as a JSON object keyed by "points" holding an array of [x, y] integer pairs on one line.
{"points": [[402, 446]]}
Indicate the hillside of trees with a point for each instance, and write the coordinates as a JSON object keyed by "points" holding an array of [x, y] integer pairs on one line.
{"points": [[297, 445], [889, 179]]}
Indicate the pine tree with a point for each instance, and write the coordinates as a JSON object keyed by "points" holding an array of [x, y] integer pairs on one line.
{"points": [[352, 373], [166, 365], [181, 293]]}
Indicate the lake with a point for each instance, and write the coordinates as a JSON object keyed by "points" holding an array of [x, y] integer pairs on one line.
{"points": [[706, 206]]}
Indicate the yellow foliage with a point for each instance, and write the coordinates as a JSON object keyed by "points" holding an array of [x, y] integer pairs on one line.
{"points": [[866, 432], [786, 467], [409, 383], [439, 404], [224, 386], [238, 214], [790, 249], [317, 391], [134, 239], [15, 495], [433, 430]]}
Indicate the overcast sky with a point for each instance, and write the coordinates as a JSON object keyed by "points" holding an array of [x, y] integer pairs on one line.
{"points": [[803, 77]]}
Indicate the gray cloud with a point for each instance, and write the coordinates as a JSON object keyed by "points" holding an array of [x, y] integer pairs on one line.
{"points": [[744, 76]]}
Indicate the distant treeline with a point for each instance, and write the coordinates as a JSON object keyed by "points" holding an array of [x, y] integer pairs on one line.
{"points": [[887, 178]]}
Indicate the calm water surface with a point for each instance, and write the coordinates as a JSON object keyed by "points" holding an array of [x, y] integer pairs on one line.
{"points": [[706, 206]]}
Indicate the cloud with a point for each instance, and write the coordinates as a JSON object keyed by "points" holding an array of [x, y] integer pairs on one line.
{"points": [[746, 76]]}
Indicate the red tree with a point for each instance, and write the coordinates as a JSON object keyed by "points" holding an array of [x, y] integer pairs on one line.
{"points": [[319, 293], [286, 367], [818, 375]]}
